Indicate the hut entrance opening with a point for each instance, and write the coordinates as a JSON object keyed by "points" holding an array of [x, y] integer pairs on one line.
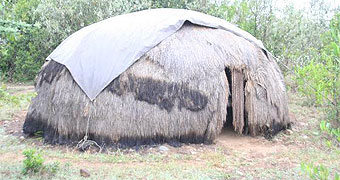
{"points": [[236, 118], [229, 122]]}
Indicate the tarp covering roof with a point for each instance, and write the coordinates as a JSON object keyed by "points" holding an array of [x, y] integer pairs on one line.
{"points": [[97, 54]]}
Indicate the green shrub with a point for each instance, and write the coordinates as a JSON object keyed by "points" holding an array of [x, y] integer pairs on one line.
{"points": [[6, 98], [33, 162], [3, 92], [327, 128], [22, 41], [13, 100], [319, 79]]}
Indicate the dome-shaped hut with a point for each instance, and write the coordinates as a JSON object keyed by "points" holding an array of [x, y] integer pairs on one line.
{"points": [[157, 76]]}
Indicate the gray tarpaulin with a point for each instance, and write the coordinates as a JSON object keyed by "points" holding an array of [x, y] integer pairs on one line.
{"points": [[97, 54]]}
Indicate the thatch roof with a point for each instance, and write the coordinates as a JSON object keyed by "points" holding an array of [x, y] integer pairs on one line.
{"points": [[98, 53], [178, 91]]}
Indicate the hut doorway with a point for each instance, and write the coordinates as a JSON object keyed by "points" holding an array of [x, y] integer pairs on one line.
{"points": [[235, 120], [229, 121]]}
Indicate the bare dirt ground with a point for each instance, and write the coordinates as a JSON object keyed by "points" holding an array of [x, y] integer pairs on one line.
{"points": [[232, 156], [20, 88]]}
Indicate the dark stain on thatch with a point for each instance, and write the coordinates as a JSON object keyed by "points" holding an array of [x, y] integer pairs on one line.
{"points": [[33, 123], [52, 136], [161, 93], [50, 71]]}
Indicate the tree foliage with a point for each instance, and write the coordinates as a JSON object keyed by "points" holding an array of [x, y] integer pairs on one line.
{"points": [[31, 29], [322, 73], [21, 40]]}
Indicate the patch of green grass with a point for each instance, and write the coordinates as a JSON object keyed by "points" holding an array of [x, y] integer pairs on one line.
{"points": [[13, 170], [131, 170]]}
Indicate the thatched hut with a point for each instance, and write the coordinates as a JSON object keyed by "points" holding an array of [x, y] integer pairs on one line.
{"points": [[186, 88]]}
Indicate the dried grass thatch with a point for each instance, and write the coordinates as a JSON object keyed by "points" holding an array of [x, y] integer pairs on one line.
{"points": [[178, 91]]}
